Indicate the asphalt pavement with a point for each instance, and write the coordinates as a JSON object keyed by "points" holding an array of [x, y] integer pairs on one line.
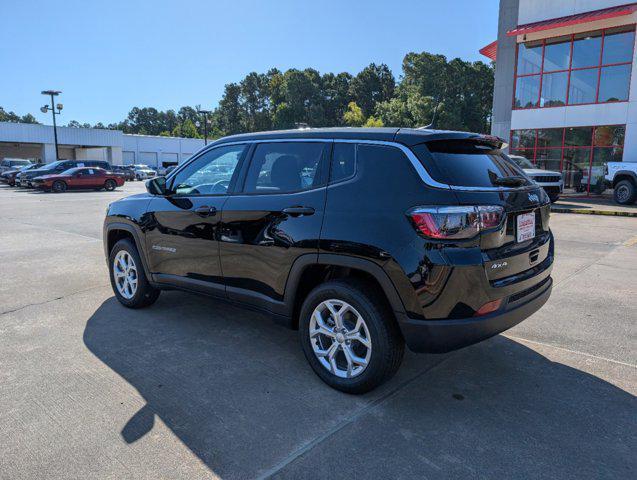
{"points": [[194, 388]]}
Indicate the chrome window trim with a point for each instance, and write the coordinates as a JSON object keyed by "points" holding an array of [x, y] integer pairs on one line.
{"points": [[418, 166]]}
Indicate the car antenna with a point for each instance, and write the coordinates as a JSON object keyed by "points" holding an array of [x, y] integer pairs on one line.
{"points": [[433, 117]]}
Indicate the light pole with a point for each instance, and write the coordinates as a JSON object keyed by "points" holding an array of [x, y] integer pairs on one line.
{"points": [[46, 108], [205, 124]]}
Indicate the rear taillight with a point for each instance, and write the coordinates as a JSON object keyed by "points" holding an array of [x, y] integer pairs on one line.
{"points": [[456, 223]]}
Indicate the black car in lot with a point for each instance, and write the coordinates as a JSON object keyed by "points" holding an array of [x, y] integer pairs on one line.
{"points": [[128, 171], [363, 239], [9, 177], [25, 178]]}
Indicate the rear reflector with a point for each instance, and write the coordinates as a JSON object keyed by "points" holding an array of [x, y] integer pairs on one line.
{"points": [[488, 308], [456, 223]]}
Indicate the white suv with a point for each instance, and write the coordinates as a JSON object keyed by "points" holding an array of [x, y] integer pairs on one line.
{"points": [[142, 172], [622, 176]]}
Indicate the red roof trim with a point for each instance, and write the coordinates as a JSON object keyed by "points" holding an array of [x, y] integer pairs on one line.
{"points": [[491, 50], [577, 19]]}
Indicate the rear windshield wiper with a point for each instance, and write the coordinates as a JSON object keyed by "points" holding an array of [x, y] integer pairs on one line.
{"points": [[514, 181]]}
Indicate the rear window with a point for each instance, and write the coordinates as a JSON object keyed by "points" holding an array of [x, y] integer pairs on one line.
{"points": [[467, 163]]}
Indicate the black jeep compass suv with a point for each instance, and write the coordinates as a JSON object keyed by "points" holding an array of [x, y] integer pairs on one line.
{"points": [[363, 239]]}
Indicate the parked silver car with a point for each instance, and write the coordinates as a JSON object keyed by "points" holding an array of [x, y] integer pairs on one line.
{"points": [[551, 181]]}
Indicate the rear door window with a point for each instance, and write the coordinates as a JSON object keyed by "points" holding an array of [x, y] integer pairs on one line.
{"points": [[286, 167], [343, 164], [465, 163]]}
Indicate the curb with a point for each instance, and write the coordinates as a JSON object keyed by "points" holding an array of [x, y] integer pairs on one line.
{"points": [[588, 211]]}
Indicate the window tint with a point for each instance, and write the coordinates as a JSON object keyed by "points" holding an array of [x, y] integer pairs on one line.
{"points": [[286, 167], [209, 174], [469, 164], [343, 161]]}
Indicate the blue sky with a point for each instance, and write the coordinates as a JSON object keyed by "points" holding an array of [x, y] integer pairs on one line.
{"points": [[110, 56]]}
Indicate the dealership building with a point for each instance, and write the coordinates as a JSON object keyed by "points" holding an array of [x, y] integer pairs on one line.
{"points": [[33, 141], [564, 94]]}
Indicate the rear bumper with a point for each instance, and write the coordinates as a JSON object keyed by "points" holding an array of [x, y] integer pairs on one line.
{"points": [[440, 336]]}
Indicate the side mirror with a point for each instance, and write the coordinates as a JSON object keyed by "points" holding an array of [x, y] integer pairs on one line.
{"points": [[156, 186]]}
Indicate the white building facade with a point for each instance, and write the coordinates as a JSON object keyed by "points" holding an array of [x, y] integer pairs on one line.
{"points": [[20, 140], [565, 95]]}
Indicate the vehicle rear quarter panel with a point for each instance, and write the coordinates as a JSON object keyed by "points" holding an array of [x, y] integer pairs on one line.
{"points": [[366, 217]]}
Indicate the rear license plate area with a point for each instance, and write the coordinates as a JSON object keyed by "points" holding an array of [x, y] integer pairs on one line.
{"points": [[525, 227]]}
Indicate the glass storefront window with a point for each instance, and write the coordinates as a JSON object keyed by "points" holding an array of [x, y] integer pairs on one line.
{"points": [[609, 136], [578, 137], [529, 57], [583, 88], [550, 137], [587, 48], [554, 89], [557, 54], [614, 83], [549, 158], [575, 168], [618, 46], [528, 154], [578, 152], [523, 139], [527, 91], [593, 67]]}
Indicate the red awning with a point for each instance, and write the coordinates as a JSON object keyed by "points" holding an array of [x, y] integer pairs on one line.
{"points": [[586, 17], [491, 50]]}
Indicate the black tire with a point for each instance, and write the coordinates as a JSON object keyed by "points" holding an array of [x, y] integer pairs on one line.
{"points": [[59, 186], [625, 192], [145, 294], [388, 346], [110, 185]]}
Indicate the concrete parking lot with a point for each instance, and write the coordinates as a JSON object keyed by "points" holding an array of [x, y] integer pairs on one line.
{"points": [[193, 388]]}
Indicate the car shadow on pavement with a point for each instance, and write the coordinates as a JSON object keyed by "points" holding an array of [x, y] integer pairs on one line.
{"points": [[236, 390]]}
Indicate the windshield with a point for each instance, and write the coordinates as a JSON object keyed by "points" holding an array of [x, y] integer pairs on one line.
{"points": [[72, 171], [521, 161], [469, 163]]}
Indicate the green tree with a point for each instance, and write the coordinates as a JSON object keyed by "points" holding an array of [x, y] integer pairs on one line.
{"points": [[374, 122], [354, 115], [230, 113], [374, 84], [14, 118]]}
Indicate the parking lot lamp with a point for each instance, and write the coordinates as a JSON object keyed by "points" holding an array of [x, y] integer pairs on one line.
{"points": [[205, 114], [46, 108]]}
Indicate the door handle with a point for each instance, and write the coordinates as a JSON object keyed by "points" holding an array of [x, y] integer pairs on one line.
{"points": [[205, 211], [298, 211]]}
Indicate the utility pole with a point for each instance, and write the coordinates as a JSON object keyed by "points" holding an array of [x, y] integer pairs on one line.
{"points": [[46, 108]]}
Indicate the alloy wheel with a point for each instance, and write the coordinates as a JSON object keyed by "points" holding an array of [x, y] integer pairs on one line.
{"points": [[622, 193], [125, 274], [340, 338]]}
